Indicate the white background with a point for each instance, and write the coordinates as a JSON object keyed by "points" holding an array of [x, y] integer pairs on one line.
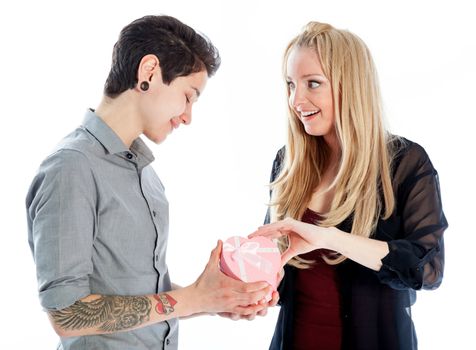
{"points": [[55, 57]]}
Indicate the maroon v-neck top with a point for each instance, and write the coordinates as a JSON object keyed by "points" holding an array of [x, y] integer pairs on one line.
{"points": [[317, 319]]}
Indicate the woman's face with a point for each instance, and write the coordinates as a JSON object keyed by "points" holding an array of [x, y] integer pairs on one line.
{"points": [[165, 107], [310, 92]]}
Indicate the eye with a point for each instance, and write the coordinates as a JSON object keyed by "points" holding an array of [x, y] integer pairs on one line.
{"points": [[313, 84], [290, 85], [187, 98]]}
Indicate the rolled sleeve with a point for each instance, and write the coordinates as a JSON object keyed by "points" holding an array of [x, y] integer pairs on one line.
{"points": [[416, 260], [61, 220]]}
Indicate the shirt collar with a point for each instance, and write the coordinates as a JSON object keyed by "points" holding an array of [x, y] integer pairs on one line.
{"points": [[111, 141]]}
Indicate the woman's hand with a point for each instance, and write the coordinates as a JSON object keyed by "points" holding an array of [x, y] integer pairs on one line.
{"points": [[302, 237], [218, 293], [305, 237]]}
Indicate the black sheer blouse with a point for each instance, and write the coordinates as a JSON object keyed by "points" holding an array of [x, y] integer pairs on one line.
{"points": [[376, 305]]}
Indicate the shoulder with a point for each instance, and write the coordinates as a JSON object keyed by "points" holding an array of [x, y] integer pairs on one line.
{"points": [[61, 172], [61, 169], [69, 161], [410, 159], [80, 140], [64, 159], [280, 155], [73, 151], [278, 162]]}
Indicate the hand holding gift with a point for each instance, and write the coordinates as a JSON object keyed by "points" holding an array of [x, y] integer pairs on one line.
{"points": [[251, 260], [214, 292]]}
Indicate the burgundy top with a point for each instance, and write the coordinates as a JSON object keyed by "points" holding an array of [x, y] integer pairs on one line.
{"points": [[317, 319]]}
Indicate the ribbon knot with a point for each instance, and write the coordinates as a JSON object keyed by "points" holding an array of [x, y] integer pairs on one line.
{"points": [[248, 252]]}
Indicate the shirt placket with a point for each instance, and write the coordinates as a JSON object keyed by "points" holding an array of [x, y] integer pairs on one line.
{"points": [[154, 214], [158, 265]]}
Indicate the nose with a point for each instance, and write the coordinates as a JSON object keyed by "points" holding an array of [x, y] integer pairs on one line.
{"points": [[186, 118], [297, 98]]}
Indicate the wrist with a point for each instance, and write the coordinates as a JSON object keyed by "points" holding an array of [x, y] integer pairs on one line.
{"points": [[193, 300], [183, 300], [331, 238]]}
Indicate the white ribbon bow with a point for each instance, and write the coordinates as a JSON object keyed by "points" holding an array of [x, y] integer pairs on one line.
{"points": [[248, 252]]}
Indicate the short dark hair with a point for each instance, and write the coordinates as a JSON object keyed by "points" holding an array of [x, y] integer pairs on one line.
{"points": [[179, 48]]}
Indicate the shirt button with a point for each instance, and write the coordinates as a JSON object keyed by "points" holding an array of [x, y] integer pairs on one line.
{"points": [[167, 341], [154, 213], [156, 258], [129, 156]]}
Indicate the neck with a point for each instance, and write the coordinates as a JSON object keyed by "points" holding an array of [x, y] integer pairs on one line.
{"points": [[333, 143], [121, 115]]}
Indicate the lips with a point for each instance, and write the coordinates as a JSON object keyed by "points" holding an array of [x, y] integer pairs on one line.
{"points": [[175, 125], [309, 114], [306, 117]]}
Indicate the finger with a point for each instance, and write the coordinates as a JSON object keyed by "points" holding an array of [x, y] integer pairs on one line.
{"points": [[250, 317], [286, 256], [267, 233], [287, 225], [274, 299], [263, 312], [216, 253], [230, 315], [252, 298], [258, 297], [244, 287], [280, 276], [248, 310]]}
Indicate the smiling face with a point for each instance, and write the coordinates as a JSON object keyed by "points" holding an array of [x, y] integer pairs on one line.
{"points": [[310, 92], [165, 107]]}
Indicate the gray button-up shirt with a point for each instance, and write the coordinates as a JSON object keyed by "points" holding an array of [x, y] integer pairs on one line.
{"points": [[98, 224]]}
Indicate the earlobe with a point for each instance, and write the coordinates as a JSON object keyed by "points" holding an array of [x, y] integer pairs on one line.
{"points": [[144, 86]]}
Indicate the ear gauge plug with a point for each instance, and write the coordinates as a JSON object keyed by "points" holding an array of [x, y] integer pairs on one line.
{"points": [[144, 86]]}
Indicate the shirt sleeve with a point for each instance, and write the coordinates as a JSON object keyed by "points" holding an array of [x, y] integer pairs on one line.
{"points": [[275, 170], [416, 258], [61, 223]]}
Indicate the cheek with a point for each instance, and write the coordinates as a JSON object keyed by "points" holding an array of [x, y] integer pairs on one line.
{"points": [[175, 106], [167, 107], [328, 106]]}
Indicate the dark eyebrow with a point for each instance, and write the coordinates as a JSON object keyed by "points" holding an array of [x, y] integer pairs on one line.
{"points": [[197, 92]]}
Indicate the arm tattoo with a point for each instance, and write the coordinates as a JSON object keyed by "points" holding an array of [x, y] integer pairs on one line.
{"points": [[108, 313], [165, 304]]}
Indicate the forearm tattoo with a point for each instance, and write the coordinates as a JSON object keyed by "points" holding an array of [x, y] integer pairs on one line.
{"points": [[108, 313], [165, 304]]}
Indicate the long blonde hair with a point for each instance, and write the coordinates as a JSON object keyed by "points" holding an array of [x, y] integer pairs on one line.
{"points": [[363, 178]]}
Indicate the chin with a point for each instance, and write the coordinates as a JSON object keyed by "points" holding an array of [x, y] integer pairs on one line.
{"points": [[313, 132], [317, 131], [157, 139]]}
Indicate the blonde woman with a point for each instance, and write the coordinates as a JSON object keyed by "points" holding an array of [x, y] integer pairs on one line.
{"points": [[358, 210]]}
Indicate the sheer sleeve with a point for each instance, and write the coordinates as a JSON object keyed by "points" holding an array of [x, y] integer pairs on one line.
{"points": [[416, 256], [274, 174]]}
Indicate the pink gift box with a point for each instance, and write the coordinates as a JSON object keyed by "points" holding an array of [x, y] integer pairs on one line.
{"points": [[251, 260]]}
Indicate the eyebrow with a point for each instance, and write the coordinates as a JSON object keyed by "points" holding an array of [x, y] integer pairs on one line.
{"points": [[309, 75], [197, 92]]}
